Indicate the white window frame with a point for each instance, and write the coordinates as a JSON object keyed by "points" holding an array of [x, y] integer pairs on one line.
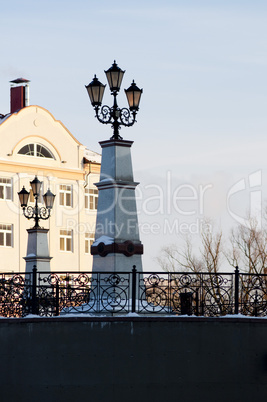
{"points": [[6, 229], [91, 198], [6, 186], [64, 236], [88, 241], [64, 191], [35, 153]]}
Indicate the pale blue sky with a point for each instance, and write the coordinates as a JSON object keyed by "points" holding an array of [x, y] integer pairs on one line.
{"points": [[201, 64]]}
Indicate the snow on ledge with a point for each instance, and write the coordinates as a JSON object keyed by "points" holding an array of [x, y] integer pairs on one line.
{"points": [[104, 239], [105, 315]]}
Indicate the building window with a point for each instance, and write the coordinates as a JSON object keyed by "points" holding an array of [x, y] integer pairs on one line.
{"points": [[65, 195], [5, 235], [65, 240], [91, 198], [5, 189], [89, 239], [37, 150]]}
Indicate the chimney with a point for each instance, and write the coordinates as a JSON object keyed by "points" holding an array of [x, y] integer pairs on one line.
{"points": [[19, 94]]}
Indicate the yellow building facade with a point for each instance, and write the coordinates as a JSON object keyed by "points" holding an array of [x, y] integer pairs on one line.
{"points": [[34, 143]]}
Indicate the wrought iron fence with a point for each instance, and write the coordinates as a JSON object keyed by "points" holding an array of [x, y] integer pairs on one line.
{"points": [[144, 293]]}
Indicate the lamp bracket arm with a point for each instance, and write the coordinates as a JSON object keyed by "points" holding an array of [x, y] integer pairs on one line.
{"points": [[29, 212], [44, 213], [104, 114], [127, 118], [41, 213]]}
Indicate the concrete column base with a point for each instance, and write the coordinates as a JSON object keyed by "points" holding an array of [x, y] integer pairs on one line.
{"points": [[37, 250]]}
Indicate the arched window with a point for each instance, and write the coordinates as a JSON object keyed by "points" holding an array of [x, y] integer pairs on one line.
{"points": [[36, 150]]}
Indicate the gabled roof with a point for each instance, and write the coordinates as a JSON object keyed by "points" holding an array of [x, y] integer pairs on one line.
{"points": [[10, 115]]}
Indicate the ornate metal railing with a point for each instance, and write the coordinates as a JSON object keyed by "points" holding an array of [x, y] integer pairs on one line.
{"points": [[144, 293]]}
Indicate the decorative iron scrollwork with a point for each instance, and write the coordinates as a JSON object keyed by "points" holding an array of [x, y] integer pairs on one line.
{"points": [[205, 294]]}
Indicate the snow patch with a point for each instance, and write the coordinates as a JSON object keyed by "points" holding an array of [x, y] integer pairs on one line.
{"points": [[104, 239]]}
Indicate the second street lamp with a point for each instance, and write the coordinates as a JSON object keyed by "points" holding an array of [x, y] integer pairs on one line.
{"points": [[36, 213], [114, 115]]}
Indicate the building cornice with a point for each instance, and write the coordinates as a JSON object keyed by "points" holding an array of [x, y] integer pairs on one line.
{"points": [[62, 173]]}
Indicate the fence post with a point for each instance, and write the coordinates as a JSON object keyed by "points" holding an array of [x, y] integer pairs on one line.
{"points": [[34, 285], [57, 298], [197, 302], [133, 288], [236, 290]]}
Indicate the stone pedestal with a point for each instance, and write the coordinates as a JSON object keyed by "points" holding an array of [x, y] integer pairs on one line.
{"points": [[37, 250], [117, 245]]}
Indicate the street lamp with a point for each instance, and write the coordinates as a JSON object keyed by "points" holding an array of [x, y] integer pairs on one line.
{"points": [[114, 115], [35, 212]]}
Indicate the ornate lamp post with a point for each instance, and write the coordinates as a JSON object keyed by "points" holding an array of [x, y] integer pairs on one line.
{"points": [[117, 246], [35, 212], [37, 249], [114, 115]]}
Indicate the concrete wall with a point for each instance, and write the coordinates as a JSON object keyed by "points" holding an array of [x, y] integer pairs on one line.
{"points": [[133, 359]]}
